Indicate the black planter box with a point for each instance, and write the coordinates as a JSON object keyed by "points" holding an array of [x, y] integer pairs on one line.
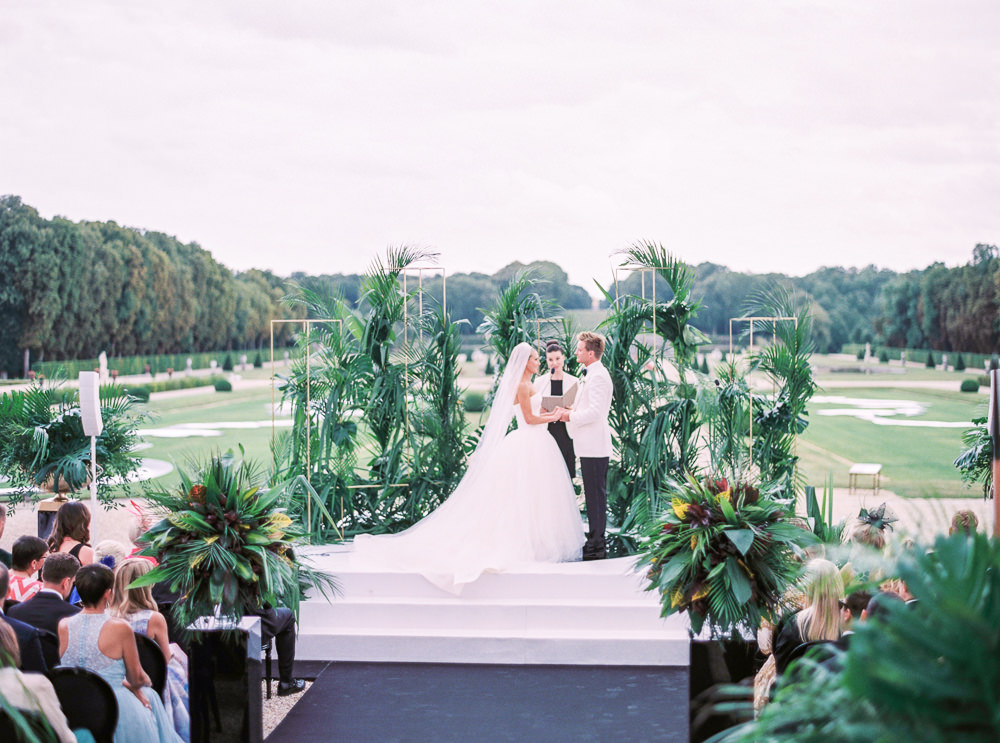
{"points": [[224, 675]]}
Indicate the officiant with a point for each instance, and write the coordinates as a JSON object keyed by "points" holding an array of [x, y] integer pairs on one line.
{"points": [[556, 383]]}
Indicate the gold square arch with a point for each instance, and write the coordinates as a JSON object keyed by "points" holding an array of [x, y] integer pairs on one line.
{"points": [[774, 320], [307, 324]]}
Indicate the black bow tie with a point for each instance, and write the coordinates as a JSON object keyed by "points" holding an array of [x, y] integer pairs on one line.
{"points": [[584, 372]]}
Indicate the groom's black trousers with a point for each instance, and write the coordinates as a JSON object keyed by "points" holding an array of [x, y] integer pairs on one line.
{"points": [[595, 488]]}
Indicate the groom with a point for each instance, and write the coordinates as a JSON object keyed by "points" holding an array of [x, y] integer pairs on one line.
{"points": [[587, 424]]}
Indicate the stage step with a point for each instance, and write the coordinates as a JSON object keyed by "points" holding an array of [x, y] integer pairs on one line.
{"points": [[594, 613]]}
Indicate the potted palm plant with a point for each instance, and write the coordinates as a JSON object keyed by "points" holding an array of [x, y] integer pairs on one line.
{"points": [[44, 447], [226, 548]]}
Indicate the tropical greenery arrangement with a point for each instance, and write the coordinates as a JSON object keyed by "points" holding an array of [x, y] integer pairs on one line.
{"points": [[226, 544], [394, 366], [725, 554], [975, 463], [927, 673], [42, 444]]}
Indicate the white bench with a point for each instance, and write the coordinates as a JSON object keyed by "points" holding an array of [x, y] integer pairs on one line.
{"points": [[863, 469]]}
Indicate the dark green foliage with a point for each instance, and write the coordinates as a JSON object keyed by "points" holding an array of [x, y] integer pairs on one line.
{"points": [[475, 402], [883, 357], [228, 542], [42, 439], [861, 354], [975, 462], [489, 371], [704, 364], [410, 451], [140, 393], [969, 385], [930, 363], [258, 362], [654, 420], [722, 554], [926, 673], [227, 363], [223, 385]]}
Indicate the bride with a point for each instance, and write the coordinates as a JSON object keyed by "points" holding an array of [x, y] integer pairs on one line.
{"points": [[515, 504]]}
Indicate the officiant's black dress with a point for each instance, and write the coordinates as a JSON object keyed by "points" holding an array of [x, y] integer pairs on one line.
{"points": [[559, 433]]}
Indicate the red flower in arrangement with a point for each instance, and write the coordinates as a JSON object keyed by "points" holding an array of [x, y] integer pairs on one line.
{"points": [[197, 494], [746, 493], [716, 486], [698, 514]]}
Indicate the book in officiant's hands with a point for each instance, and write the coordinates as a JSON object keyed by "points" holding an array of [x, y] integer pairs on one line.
{"points": [[565, 400]]}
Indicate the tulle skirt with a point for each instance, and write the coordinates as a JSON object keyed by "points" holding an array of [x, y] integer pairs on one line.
{"points": [[519, 508]]}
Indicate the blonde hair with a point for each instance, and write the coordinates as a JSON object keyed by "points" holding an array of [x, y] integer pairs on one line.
{"points": [[126, 601], [964, 521], [592, 342], [824, 588], [862, 532]]}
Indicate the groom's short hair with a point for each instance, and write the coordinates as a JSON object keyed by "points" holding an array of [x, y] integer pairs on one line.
{"points": [[593, 342]]}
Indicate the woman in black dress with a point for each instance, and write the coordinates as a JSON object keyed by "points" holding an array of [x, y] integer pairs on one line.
{"points": [[558, 382]]}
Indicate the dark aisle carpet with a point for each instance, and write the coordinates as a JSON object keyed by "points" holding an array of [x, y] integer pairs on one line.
{"points": [[413, 703]]}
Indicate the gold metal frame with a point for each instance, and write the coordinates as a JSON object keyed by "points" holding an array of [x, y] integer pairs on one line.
{"points": [[642, 271], [406, 322], [774, 320], [307, 324]]}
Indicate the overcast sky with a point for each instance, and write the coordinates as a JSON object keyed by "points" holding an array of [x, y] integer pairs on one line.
{"points": [[308, 136]]}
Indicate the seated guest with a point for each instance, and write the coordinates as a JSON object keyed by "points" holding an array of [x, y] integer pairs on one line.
{"points": [[878, 607], [964, 522], [820, 620], [28, 638], [106, 646], [4, 554], [136, 606], [26, 558], [279, 624], [71, 532], [109, 552], [32, 692], [49, 605]]}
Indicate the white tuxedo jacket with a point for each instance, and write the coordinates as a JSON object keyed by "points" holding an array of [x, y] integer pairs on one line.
{"points": [[588, 420]]}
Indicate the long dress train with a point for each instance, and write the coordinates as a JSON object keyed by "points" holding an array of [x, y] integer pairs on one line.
{"points": [[519, 508]]}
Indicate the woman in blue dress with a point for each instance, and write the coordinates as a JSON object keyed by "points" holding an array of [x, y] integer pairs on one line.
{"points": [[94, 640], [136, 606]]}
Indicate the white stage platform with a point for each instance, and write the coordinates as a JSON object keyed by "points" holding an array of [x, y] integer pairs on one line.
{"points": [[592, 614]]}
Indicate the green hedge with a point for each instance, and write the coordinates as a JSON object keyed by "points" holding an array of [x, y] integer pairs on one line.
{"points": [[131, 365], [918, 356], [223, 385], [969, 385], [475, 402]]}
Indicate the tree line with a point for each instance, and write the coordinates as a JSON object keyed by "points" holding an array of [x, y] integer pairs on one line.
{"points": [[73, 289]]}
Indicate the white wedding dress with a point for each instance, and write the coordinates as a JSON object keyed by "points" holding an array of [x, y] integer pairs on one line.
{"points": [[515, 506]]}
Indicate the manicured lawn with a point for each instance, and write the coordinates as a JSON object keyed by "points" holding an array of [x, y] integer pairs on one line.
{"points": [[915, 461]]}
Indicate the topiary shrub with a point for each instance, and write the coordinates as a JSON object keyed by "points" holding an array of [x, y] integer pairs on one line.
{"points": [[861, 354], [475, 402], [704, 364], [227, 364], [258, 362], [969, 385], [930, 360], [489, 366], [223, 385], [883, 357], [960, 363], [139, 393]]}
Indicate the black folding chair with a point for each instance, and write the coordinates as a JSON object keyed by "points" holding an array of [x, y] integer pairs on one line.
{"points": [[152, 661], [87, 700]]}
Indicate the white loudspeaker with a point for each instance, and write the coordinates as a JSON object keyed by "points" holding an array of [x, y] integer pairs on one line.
{"points": [[90, 403]]}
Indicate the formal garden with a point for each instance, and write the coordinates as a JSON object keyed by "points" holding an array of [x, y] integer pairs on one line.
{"points": [[730, 471]]}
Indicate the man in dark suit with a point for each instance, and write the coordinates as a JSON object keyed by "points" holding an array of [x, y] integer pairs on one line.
{"points": [[28, 638], [44, 610]]}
